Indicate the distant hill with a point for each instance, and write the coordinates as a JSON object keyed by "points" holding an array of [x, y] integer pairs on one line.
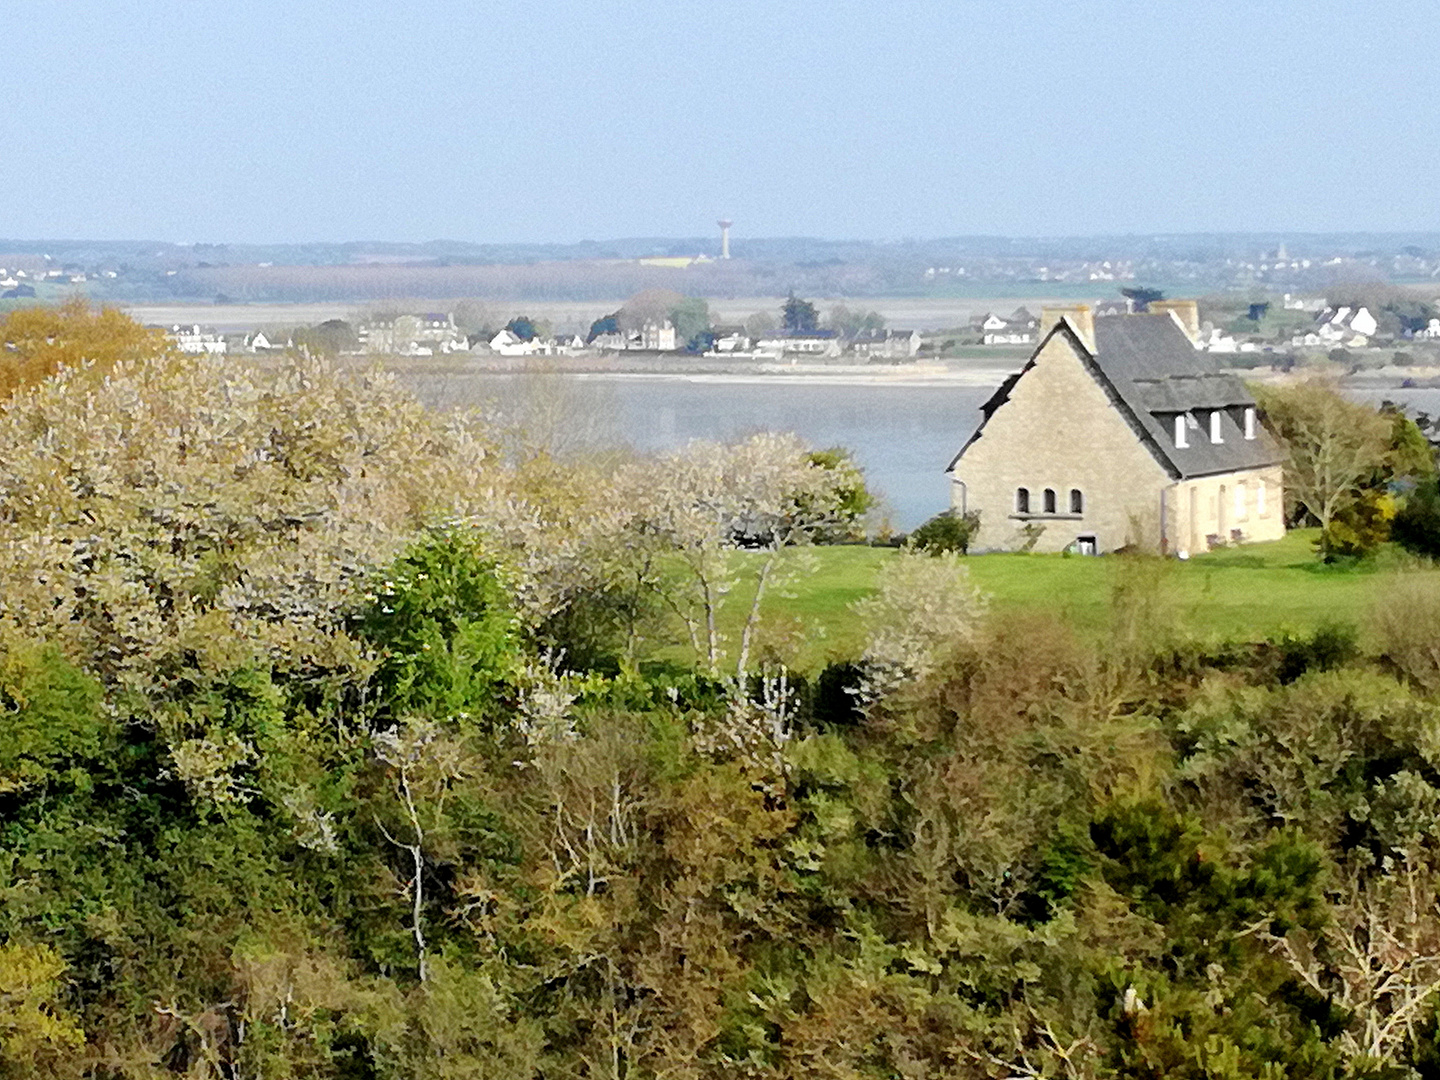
{"points": [[141, 271]]}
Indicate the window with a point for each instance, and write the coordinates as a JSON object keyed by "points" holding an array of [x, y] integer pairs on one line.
{"points": [[1240, 508], [1049, 500], [1022, 500], [1087, 545], [1215, 435], [1260, 499], [1180, 441], [1077, 501], [1250, 421]]}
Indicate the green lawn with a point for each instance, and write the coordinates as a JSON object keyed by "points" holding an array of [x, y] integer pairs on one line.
{"points": [[1249, 592]]}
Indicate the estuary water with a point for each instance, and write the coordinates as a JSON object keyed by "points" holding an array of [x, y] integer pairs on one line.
{"points": [[903, 434]]}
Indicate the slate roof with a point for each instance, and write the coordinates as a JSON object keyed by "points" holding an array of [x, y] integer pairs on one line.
{"points": [[1155, 371], [1151, 371]]}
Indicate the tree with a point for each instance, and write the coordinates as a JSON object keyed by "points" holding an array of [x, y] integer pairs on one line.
{"points": [[707, 503], [474, 318], [36, 342], [799, 316], [606, 324], [35, 1026], [1142, 296], [844, 321], [330, 338], [923, 606], [648, 306], [691, 319], [1333, 446], [761, 323], [1416, 527], [946, 532], [523, 327]]}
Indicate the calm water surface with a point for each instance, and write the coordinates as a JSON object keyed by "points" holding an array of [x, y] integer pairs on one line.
{"points": [[902, 435]]}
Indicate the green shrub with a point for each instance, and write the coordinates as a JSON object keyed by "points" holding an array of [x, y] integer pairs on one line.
{"points": [[1331, 646], [1416, 527], [946, 532], [447, 634]]}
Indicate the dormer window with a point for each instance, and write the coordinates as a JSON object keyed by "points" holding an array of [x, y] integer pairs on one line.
{"points": [[1250, 421], [1181, 441], [1215, 434]]}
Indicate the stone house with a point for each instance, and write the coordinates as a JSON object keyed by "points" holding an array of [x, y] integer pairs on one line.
{"points": [[886, 344], [1119, 432], [812, 343], [424, 334], [654, 337]]}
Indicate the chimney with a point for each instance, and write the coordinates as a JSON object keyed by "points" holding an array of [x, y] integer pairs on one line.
{"points": [[1080, 317], [1184, 312]]}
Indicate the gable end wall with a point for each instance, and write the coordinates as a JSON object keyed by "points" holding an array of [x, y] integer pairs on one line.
{"points": [[1060, 429]]}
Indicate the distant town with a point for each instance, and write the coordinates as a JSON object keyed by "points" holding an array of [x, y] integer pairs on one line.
{"points": [[1378, 327], [1361, 300], [717, 266]]}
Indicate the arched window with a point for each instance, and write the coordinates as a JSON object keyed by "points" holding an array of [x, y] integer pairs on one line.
{"points": [[1077, 501], [1049, 500], [1250, 422], [1022, 500]]}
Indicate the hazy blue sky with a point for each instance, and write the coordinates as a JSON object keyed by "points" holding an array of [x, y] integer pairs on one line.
{"points": [[341, 119]]}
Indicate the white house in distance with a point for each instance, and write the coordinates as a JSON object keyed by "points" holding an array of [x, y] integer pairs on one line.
{"points": [[261, 342], [1340, 326], [1017, 328], [816, 343], [197, 339], [509, 343]]}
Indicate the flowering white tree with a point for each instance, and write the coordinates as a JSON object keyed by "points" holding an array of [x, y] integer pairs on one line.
{"points": [[180, 520], [710, 502], [923, 606]]}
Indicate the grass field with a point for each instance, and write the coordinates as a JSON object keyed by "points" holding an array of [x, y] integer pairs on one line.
{"points": [[1250, 592]]}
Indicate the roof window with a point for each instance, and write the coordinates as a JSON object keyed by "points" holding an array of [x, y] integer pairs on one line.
{"points": [[1181, 439], [1250, 422], [1216, 436]]}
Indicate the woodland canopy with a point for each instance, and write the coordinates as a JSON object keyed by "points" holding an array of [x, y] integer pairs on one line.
{"points": [[329, 747]]}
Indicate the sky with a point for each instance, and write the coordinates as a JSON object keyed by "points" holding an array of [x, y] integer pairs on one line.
{"points": [[273, 121]]}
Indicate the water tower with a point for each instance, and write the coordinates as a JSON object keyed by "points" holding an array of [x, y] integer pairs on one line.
{"points": [[724, 224]]}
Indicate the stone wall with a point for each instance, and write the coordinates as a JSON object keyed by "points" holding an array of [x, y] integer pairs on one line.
{"points": [[1216, 506], [1060, 430]]}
